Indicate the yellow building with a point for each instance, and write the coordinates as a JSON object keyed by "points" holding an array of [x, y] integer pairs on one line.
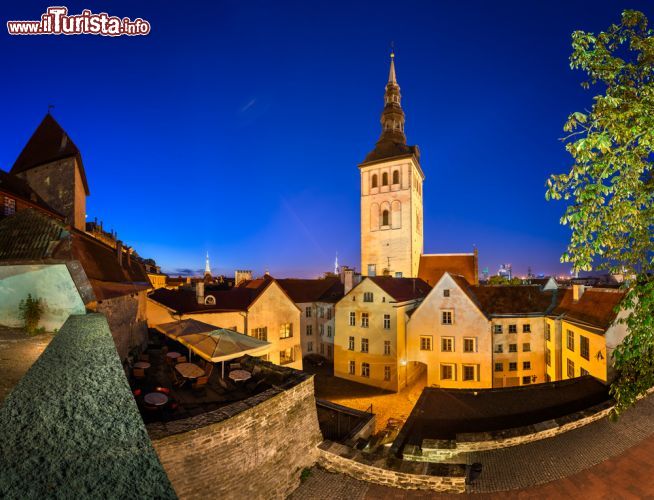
{"points": [[391, 196], [259, 307], [480, 336], [584, 333], [158, 280], [370, 345]]}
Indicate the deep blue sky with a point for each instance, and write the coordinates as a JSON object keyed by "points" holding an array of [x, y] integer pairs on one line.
{"points": [[237, 127]]}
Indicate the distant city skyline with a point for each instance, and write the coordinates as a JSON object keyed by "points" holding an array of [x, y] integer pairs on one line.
{"points": [[238, 132]]}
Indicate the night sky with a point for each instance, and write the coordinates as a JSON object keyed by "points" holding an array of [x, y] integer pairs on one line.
{"points": [[238, 128]]}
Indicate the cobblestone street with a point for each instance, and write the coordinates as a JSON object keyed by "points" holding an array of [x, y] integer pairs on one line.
{"points": [[603, 459]]}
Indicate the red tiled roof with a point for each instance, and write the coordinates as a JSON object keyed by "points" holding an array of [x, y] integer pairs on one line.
{"points": [[48, 143], [402, 289], [328, 289], [184, 300], [432, 267], [513, 299], [596, 307]]}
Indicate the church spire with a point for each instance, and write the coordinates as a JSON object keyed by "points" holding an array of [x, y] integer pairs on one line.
{"points": [[207, 268], [392, 118]]}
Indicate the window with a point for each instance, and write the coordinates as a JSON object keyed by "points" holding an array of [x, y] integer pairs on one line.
{"points": [[513, 367], [497, 328], [446, 292], [286, 356], [322, 312], [364, 345], [387, 321], [322, 330], [365, 370], [396, 176], [425, 343], [571, 369], [447, 372], [526, 365], [387, 347], [446, 318], [584, 347], [329, 313], [385, 218], [10, 206], [398, 274], [547, 331], [352, 368], [322, 348], [367, 297], [499, 367], [329, 351], [526, 380], [526, 328], [469, 372], [364, 320], [353, 319], [570, 340], [526, 347], [387, 373], [286, 331], [309, 330], [582, 372], [260, 333], [329, 330], [513, 328], [447, 344], [374, 180], [350, 344], [310, 346], [307, 312], [372, 270], [469, 344], [499, 348], [385, 179], [513, 347], [548, 357]]}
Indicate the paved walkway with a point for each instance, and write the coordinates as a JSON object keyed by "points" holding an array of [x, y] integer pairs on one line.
{"points": [[601, 460]]}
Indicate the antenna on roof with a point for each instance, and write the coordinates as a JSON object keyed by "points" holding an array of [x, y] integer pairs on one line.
{"points": [[50, 108]]}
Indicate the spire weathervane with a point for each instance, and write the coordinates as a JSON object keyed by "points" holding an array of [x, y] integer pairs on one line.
{"points": [[50, 108]]}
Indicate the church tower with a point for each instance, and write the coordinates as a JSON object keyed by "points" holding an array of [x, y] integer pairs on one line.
{"points": [[391, 196]]}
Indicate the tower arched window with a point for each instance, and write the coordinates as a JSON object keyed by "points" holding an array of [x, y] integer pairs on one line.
{"points": [[385, 179], [374, 180], [385, 218], [396, 176]]}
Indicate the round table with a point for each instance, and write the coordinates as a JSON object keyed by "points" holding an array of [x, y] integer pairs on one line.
{"points": [[189, 370], [239, 375], [155, 398], [173, 355], [142, 364]]}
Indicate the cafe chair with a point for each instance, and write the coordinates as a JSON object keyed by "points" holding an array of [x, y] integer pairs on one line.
{"points": [[139, 373], [182, 359], [200, 382]]}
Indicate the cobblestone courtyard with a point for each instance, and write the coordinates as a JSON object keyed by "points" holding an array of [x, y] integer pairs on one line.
{"points": [[385, 404], [18, 351], [601, 460]]}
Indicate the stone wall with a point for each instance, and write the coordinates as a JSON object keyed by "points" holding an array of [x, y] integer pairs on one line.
{"points": [[434, 450], [126, 316], [255, 448], [388, 471]]}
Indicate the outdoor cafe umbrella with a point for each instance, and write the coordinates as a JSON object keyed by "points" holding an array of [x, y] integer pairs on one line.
{"points": [[213, 344]]}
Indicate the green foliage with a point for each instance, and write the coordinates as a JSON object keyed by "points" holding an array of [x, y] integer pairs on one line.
{"points": [[610, 186], [305, 474], [503, 280], [31, 310]]}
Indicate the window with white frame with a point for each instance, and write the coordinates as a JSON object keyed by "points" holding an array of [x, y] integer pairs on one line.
{"points": [[447, 344], [309, 330], [497, 328], [322, 312], [446, 317], [329, 330], [513, 328], [353, 319], [387, 321], [285, 330], [322, 329], [469, 344], [352, 368], [425, 343], [350, 344], [364, 320], [526, 328], [570, 340], [447, 372], [469, 372], [387, 347], [310, 346], [307, 312], [387, 372], [260, 333], [364, 345], [365, 370], [368, 297]]}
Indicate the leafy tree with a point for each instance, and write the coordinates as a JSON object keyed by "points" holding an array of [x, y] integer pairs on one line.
{"points": [[31, 310], [610, 186], [503, 280]]}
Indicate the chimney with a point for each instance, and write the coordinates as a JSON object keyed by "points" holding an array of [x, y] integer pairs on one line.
{"points": [[577, 291], [119, 251], [347, 278], [242, 275], [199, 292]]}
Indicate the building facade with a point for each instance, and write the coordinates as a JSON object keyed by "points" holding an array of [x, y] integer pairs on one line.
{"points": [[371, 344]]}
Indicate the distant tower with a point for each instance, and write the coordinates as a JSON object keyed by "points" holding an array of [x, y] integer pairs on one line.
{"points": [[336, 264], [391, 195], [207, 268]]}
